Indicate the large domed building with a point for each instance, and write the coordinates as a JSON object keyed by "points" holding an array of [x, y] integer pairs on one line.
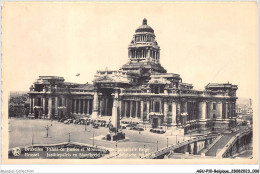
{"points": [[140, 91]]}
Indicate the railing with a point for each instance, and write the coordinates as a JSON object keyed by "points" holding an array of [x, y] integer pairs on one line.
{"points": [[166, 150], [231, 142]]}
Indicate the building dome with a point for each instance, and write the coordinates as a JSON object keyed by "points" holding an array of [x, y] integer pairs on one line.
{"points": [[144, 27]]}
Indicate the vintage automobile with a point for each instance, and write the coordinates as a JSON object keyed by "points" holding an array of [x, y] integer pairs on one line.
{"points": [[62, 120], [96, 126], [68, 121], [76, 121]]}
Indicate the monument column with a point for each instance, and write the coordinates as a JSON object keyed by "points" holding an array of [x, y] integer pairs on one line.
{"points": [[95, 105], [115, 120]]}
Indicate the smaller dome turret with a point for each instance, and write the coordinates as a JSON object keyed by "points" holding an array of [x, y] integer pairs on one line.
{"points": [[144, 27]]}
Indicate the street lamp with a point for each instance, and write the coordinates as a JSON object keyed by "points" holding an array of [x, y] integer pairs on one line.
{"points": [[93, 138], [157, 145], [69, 137], [116, 145], [32, 139], [167, 141], [144, 150], [47, 131]]}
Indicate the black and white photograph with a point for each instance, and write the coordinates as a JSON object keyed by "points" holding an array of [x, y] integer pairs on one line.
{"points": [[129, 83]]}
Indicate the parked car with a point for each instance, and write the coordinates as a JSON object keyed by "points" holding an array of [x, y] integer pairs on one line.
{"points": [[68, 121], [76, 121], [96, 126], [157, 131], [62, 120], [123, 127], [162, 131], [140, 129]]}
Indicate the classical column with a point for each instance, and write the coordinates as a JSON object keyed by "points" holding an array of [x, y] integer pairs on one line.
{"points": [[148, 110], [229, 110], [75, 106], [79, 106], [30, 100], [120, 108], [185, 106], [219, 110], [88, 106], [226, 114], [95, 105], [131, 108], [136, 109], [62, 101], [101, 107], [125, 109], [33, 103], [161, 110], [50, 108], [43, 105], [84, 106], [210, 110], [173, 112], [165, 107], [141, 110], [202, 110], [178, 112], [56, 105], [233, 110]]}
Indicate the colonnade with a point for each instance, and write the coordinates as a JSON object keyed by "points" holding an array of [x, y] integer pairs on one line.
{"points": [[82, 106], [144, 53]]}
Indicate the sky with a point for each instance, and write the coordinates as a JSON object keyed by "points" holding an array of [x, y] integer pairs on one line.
{"points": [[203, 42]]}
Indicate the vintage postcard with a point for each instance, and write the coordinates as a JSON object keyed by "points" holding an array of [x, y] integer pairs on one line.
{"points": [[129, 83]]}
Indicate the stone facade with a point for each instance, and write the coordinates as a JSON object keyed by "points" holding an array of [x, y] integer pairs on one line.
{"points": [[140, 91]]}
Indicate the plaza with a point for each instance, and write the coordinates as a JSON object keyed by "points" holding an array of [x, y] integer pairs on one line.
{"points": [[25, 132]]}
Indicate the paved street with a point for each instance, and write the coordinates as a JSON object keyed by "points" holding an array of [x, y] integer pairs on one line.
{"points": [[136, 145]]}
